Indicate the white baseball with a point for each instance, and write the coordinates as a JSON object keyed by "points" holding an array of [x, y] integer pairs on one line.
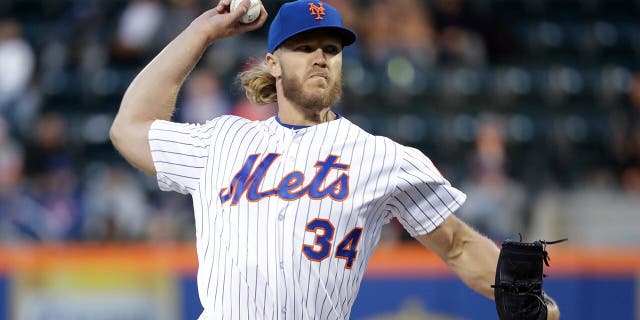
{"points": [[252, 14]]}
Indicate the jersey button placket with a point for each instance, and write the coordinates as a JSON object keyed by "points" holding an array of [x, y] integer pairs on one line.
{"points": [[281, 236]]}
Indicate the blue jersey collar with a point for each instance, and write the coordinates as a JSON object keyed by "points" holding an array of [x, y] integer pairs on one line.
{"points": [[294, 127]]}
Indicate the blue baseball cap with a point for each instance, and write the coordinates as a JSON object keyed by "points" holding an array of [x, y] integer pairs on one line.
{"points": [[304, 15]]}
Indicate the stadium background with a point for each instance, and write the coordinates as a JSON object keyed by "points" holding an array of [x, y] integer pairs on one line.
{"points": [[532, 107]]}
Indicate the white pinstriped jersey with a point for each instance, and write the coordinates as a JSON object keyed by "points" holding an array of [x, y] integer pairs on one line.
{"points": [[286, 220]]}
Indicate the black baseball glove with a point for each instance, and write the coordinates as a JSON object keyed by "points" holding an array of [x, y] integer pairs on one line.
{"points": [[518, 287]]}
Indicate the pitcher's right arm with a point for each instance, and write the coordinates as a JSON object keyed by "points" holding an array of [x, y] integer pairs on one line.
{"points": [[152, 94]]}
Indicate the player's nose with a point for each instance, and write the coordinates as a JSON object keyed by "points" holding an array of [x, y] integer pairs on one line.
{"points": [[319, 57]]}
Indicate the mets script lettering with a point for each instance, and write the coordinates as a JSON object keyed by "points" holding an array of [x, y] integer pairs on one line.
{"points": [[291, 187]]}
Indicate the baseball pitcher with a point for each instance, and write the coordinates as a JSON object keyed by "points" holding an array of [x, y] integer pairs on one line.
{"points": [[288, 211]]}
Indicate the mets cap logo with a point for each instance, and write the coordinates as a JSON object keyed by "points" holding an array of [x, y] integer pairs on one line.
{"points": [[317, 10]]}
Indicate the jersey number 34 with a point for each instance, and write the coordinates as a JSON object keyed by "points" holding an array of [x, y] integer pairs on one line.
{"points": [[347, 249]]}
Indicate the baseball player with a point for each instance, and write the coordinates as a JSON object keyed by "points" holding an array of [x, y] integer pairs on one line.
{"points": [[288, 211]]}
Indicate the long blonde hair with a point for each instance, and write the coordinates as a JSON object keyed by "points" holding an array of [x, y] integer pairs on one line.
{"points": [[258, 84]]}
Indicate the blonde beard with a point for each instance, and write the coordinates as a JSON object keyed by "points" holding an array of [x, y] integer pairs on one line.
{"points": [[292, 90]]}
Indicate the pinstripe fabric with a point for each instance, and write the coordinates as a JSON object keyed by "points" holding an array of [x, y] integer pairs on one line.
{"points": [[250, 244]]}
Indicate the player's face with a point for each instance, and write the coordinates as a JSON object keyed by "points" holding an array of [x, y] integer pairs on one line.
{"points": [[311, 70]]}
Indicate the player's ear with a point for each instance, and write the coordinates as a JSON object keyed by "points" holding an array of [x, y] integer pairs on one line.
{"points": [[274, 65]]}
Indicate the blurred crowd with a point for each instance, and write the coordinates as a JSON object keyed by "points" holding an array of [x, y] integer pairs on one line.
{"points": [[513, 100]]}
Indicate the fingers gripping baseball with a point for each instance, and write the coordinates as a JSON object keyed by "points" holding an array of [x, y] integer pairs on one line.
{"points": [[220, 22]]}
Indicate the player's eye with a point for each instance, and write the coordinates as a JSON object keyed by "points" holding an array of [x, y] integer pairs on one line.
{"points": [[331, 49], [304, 48]]}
